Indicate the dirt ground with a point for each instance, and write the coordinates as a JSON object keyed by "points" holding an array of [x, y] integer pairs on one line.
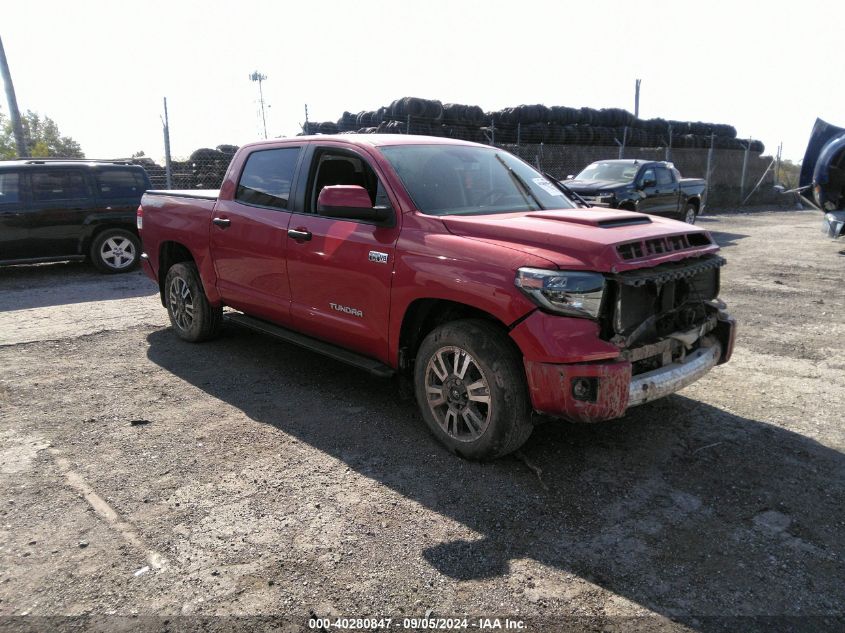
{"points": [[148, 482]]}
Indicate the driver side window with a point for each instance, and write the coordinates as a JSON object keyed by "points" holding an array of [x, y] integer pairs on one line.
{"points": [[648, 177], [335, 167]]}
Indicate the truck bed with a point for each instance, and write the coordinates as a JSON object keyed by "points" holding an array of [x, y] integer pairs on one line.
{"points": [[204, 194]]}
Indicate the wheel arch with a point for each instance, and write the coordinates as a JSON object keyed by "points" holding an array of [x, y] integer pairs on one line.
{"points": [[423, 315], [170, 253]]}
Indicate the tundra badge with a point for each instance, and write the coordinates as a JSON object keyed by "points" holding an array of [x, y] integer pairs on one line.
{"points": [[378, 258], [353, 311]]}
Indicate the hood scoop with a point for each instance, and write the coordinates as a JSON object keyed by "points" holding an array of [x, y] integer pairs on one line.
{"points": [[604, 219]]}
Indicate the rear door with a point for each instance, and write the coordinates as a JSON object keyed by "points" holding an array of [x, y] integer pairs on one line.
{"points": [[14, 231], [61, 200], [120, 191], [249, 235], [667, 191], [340, 270]]}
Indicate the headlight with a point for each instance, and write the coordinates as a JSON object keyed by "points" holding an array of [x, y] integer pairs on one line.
{"points": [[572, 293]]}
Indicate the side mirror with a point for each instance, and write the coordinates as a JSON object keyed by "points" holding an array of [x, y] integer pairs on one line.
{"points": [[351, 202], [648, 182], [570, 177]]}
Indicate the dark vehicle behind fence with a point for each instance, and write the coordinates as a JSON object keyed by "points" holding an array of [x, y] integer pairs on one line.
{"points": [[70, 210], [650, 187], [822, 180]]}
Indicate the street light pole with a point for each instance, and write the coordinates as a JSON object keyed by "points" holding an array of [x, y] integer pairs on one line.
{"points": [[257, 76]]}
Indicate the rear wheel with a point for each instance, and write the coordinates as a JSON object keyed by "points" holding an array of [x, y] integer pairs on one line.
{"points": [[689, 214], [470, 387], [115, 251], [191, 315]]}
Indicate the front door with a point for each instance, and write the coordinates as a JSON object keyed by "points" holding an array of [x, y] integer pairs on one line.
{"points": [[249, 235], [341, 270]]}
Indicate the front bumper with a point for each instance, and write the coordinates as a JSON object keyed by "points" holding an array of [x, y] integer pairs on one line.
{"points": [[552, 386], [670, 378]]}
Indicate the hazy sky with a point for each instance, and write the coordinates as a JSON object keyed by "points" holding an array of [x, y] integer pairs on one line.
{"points": [[100, 69]]}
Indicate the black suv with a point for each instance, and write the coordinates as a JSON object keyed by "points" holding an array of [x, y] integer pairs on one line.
{"points": [[59, 210]]}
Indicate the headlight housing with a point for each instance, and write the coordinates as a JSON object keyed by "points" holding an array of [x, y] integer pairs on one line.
{"points": [[571, 293]]}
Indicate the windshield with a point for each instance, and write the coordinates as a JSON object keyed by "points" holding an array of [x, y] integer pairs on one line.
{"points": [[615, 172], [467, 180]]}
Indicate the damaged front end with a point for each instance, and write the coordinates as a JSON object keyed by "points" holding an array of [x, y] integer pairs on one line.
{"points": [[659, 329], [669, 324]]}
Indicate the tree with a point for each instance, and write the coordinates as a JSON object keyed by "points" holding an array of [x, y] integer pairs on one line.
{"points": [[42, 136]]}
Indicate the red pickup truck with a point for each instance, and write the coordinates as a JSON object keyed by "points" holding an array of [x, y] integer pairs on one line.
{"points": [[453, 265]]}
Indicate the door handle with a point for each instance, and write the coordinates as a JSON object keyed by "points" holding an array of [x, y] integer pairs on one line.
{"points": [[221, 222], [299, 235]]}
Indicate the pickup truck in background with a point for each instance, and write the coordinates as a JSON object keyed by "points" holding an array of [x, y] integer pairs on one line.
{"points": [[822, 180], [653, 187], [456, 267]]}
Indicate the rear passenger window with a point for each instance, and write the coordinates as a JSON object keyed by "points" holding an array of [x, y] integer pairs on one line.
{"points": [[120, 183], [9, 187], [57, 184], [664, 176], [267, 177]]}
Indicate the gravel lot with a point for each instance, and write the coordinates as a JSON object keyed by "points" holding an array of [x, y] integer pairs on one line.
{"points": [[261, 479]]}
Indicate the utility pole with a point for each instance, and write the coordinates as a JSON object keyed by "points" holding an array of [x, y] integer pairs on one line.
{"points": [[168, 169], [14, 113], [637, 98], [257, 76]]}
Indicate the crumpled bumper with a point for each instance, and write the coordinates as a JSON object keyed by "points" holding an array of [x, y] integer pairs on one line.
{"points": [[553, 386], [670, 378]]}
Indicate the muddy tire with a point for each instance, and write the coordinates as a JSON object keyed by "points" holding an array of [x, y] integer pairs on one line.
{"points": [[192, 317], [115, 251], [470, 386]]}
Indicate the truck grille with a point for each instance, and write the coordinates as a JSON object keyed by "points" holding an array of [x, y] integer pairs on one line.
{"points": [[645, 305], [661, 245]]}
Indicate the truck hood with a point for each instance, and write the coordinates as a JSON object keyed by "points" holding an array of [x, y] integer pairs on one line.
{"points": [[579, 186], [826, 141], [597, 239]]}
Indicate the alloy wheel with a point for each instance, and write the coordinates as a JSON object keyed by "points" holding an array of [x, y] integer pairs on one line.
{"points": [[181, 303], [458, 393], [118, 252]]}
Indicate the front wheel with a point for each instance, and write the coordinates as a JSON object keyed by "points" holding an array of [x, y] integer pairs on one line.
{"points": [[115, 251], [471, 389], [191, 315]]}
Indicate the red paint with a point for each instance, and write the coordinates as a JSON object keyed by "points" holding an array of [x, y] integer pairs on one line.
{"points": [[330, 287], [550, 387], [344, 196]]}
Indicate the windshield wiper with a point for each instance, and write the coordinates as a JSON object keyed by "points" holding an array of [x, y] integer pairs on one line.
{"points": [[567, 191], [526, 190]]}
